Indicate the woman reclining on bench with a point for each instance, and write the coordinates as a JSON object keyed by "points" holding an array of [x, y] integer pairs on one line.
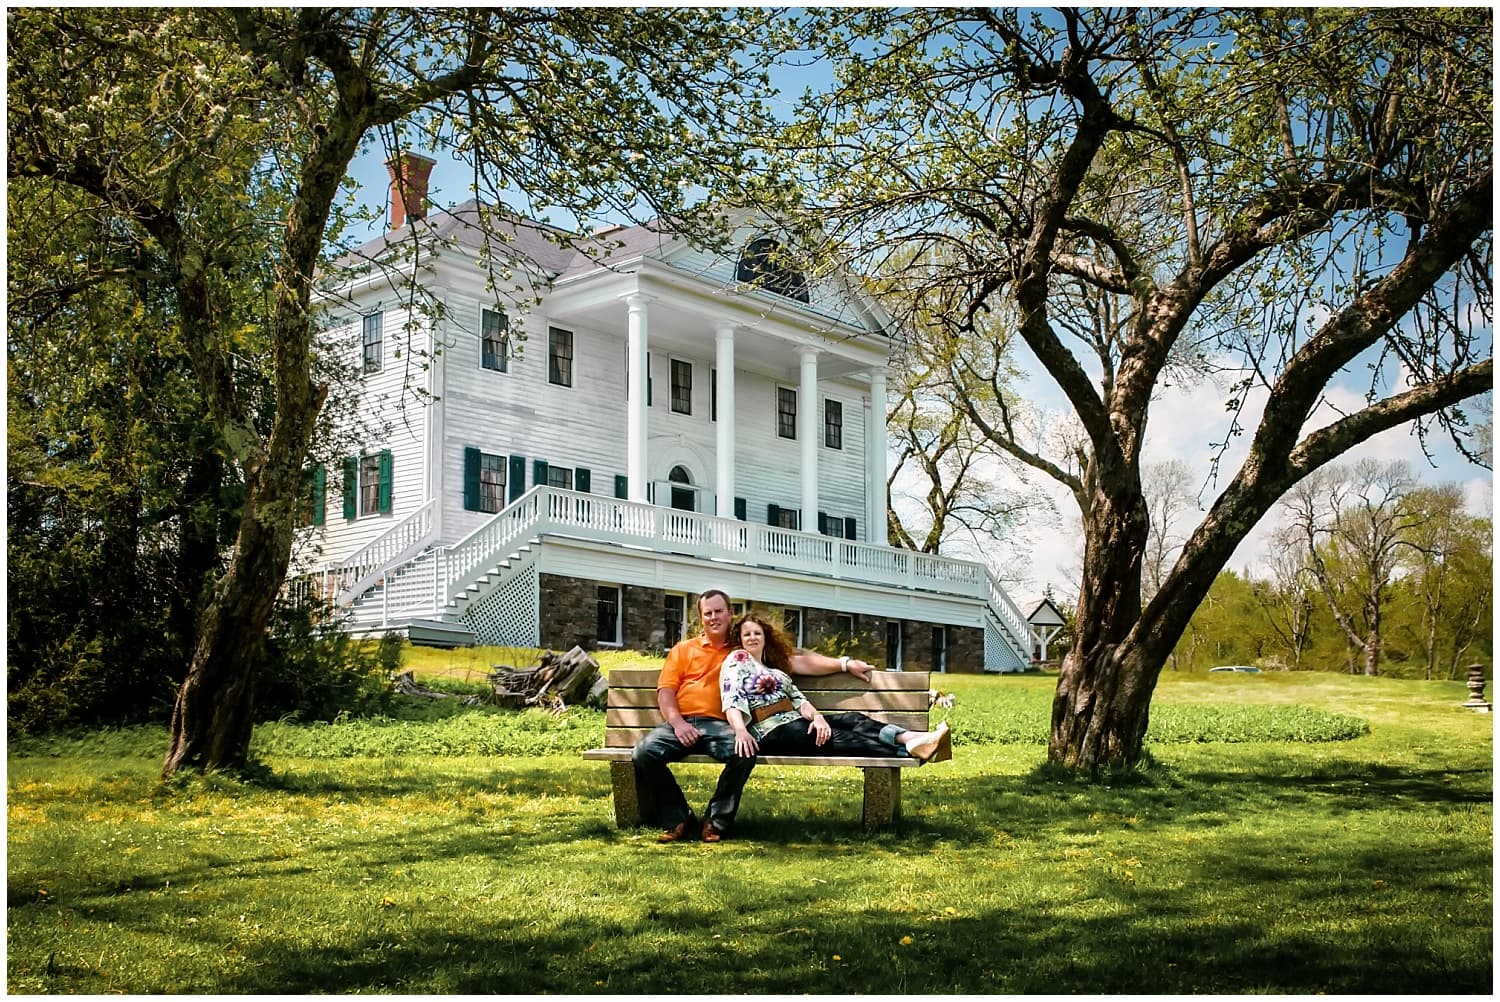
{"points": [[767, 712]]}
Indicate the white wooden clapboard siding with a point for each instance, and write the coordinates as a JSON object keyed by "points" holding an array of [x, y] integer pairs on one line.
{"points": [[397, 420]]}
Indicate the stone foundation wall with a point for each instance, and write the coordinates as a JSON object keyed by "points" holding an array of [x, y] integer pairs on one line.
{"points": [[570, 615]]}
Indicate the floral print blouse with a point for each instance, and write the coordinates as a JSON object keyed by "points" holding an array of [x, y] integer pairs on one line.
{"points": [[745, 685]]}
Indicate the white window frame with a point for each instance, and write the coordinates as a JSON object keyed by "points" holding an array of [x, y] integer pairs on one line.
{"points": [[828, 407], [780, 431], [372, 360], [369, 485], [564, 376], [673, 363], [503, 356]]}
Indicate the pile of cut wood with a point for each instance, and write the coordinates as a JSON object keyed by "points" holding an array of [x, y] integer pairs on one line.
{"points": [[560, 681]]}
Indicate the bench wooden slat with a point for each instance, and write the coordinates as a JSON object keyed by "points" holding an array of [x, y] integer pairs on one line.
{"points": [[640, 720], [832, 762], [645, 678], [829, 701]]}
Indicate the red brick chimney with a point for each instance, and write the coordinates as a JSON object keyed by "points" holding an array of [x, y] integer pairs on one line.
{"points": [[409, 174]]}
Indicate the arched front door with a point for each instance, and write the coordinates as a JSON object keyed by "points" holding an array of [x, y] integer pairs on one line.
{"points": [[683, 498]]}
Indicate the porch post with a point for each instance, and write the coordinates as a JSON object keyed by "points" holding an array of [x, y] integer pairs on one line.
{"points": [[875, 460], [635, 407], [807, 431], [724, 444]]}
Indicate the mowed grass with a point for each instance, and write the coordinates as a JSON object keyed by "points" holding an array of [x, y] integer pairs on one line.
{"points": [[1289, 866]]}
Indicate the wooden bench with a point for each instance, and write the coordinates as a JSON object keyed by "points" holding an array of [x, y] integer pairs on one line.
{"points": [[892, 697]]}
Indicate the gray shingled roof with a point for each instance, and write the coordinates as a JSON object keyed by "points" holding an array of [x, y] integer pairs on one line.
{"points": [[557, 252]]}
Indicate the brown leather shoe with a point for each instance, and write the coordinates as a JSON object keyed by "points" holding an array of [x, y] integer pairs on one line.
{"points": [[679, 831], [710, 833]]}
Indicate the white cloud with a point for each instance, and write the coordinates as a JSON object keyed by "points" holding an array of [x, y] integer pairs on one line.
{"points": [[1188, 422]]}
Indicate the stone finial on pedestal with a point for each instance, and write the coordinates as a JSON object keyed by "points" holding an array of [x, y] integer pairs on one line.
{"points": [[1476, 701]]}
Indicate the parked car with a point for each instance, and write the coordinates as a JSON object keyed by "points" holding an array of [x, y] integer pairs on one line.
{"points": [[1246, 668]]}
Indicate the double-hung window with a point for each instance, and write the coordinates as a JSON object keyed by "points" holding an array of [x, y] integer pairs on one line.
{"points": [[369, 485], [494, 335], [560, 476], [371, 339], [682, 387], [559, 356], [786, 412], [491, 483], [484, 480], [833, 424]]}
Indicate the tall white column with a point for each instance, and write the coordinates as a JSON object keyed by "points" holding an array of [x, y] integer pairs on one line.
{"points": [[724, 444], [876, 459], [807, 431], [635, 409]]}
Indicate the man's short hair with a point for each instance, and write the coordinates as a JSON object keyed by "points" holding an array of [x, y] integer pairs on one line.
{"points": [[710, 594]]}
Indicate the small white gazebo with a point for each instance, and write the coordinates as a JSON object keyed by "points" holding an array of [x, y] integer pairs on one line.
{"points": [[1046, 622]]}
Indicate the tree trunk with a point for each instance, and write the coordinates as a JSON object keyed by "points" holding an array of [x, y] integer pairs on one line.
{"points": [[212, 718], [1102, 704]]}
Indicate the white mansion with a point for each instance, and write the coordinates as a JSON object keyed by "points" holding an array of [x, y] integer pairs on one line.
{"points": [[661, 421]]}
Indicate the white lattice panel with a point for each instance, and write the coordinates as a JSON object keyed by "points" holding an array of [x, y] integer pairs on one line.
{"points": [[999, 654], [509, 616]]}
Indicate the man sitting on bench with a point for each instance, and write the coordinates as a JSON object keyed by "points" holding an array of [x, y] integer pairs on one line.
{"points": [[693, 722]]}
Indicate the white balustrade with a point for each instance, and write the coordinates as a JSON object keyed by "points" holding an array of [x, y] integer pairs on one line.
{"points": [[354, 574], [445, 572]]}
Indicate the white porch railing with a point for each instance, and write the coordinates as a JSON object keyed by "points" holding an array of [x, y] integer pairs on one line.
{"points": [[422, 580], [1020, 628], [545, 510], [350, 577]]}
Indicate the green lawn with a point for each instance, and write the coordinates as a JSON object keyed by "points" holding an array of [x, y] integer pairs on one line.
{"points": [[1360, 865]]}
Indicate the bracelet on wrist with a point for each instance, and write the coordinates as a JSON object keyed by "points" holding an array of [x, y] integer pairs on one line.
{"points": [[844, 663]]}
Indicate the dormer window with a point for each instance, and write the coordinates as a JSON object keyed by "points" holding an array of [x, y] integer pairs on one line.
{"points": [[766, 264]]}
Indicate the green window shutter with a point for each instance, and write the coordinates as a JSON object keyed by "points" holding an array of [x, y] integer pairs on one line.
{"points": [[622, 486], [319, 488], [739, 509], [385, 481], [822, 523], [581, 480], [849, 527], [517, 476], [471, 478], [539, 473], [772, 513], [351, 487]]}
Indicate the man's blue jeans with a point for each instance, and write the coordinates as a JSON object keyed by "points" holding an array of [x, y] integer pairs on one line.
{"points": [[662, 802]]}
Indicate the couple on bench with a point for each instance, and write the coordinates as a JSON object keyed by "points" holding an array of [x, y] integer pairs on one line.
{"points": [[727, 693]]}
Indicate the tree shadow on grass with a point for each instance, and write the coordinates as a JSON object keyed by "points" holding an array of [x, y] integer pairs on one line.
{"points": [[1102, 930], [775, 939]]}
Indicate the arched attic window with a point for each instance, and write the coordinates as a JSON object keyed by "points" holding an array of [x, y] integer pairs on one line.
{"points": [[763, 262], [683, 498]]}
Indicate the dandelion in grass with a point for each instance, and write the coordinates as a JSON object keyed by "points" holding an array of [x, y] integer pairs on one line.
{"points": [[906, 941]]}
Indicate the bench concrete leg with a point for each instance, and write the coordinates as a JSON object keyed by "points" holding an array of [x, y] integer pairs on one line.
{"points": [[627, 800], [882, 796]]}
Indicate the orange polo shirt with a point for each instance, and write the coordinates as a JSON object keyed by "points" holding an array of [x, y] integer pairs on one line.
{"points": [[692, 669]]}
